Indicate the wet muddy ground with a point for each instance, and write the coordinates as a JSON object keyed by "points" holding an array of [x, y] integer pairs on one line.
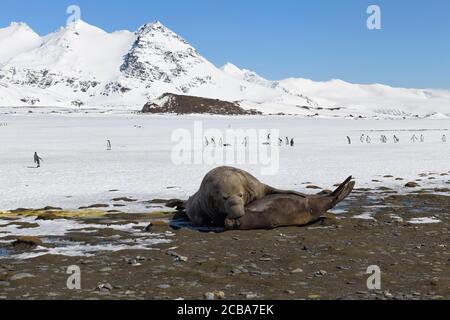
{"points": [[406, 235]]}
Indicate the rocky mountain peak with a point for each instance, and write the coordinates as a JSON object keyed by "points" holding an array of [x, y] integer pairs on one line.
{"points": [[156, 26], [157, 33], [159, 54]]}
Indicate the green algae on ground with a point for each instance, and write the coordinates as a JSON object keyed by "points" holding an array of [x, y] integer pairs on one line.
{"points": [[160, 214], [52, 214], [56, 213]]}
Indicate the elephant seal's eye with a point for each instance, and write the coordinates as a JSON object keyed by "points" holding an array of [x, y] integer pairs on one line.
{"points": [[241, 195], [226, 198]]}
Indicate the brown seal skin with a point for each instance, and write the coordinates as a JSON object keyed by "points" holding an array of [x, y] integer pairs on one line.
{"points": [[224, 193], [283, 210]]}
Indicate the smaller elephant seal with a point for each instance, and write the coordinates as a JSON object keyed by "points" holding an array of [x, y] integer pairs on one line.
{"points": [[224, 193], [284, 210]]}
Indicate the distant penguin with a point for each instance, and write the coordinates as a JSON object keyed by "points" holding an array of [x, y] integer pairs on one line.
{"points": [[280, 142], [396, 139], [37, 160]]}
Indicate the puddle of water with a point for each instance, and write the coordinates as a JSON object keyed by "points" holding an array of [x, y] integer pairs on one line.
{"points": [[181, 223], [4, 252]]}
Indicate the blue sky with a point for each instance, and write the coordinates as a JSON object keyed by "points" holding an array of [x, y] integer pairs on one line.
{"points": [[316, 39]]}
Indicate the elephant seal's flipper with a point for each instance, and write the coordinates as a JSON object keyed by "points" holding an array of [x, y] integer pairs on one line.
{"points": [[321, 203], [343, 191], [283, 210]]}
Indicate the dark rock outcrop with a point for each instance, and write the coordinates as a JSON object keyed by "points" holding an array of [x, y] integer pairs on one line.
{"points": [[181, 104], [27, 243], [412, 185]]}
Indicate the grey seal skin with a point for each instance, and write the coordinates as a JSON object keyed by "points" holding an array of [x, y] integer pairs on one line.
{"points": [[224, 193], [283, 210]]}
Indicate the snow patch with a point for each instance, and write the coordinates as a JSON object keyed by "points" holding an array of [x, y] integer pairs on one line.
{"points": [[426, 220]]}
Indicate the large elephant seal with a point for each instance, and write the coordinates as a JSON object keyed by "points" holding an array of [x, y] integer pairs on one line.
{"points": [[283, 210], [224, 193]]}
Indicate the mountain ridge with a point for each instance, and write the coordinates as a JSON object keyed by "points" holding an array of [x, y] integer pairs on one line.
{"points": [[83, 65]]}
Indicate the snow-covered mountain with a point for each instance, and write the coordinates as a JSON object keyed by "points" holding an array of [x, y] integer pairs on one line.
{"points": [[338, 95], [16, 39], [81, 65]]}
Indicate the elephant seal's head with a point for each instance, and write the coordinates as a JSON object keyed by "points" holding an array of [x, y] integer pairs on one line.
{"points": [[228, 196], [223, 194], [229, 190]]}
